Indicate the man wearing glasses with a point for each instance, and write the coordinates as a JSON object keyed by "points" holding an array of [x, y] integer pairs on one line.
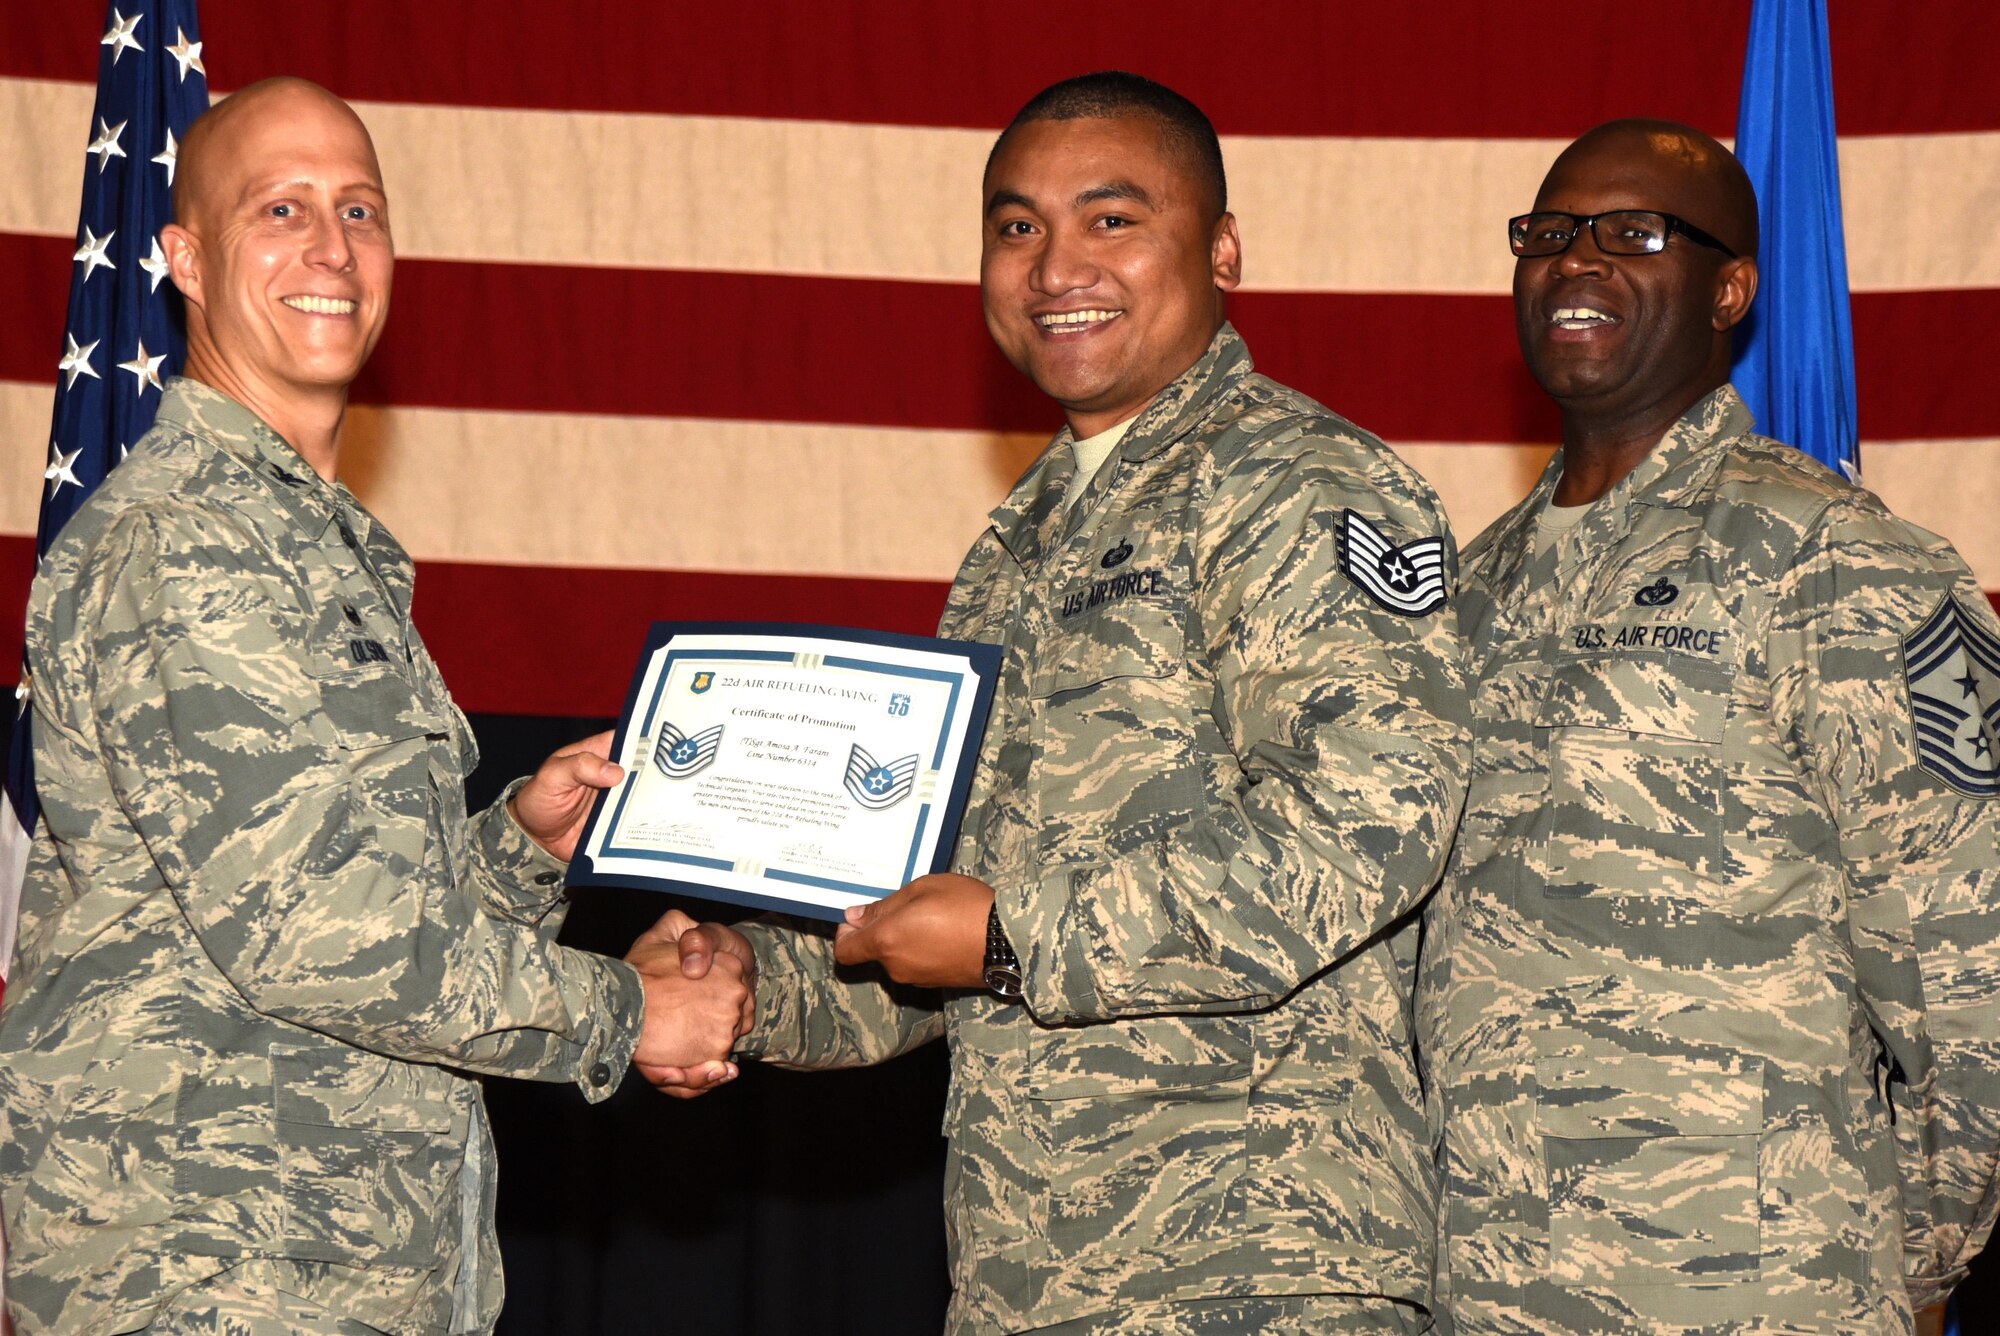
{"points": [[1708, 996]]}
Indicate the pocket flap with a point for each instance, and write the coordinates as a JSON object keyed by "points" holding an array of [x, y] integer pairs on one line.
{"points": [[1665, 697], [324, 1087], [1632, 1096], [1127, 640], [373, 707], [1154, 1053]]}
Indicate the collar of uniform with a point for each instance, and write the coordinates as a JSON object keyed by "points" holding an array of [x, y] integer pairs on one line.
{"points": [[1034, 508], [1511, 539], [207, 412], [1677, 471], [1185, 402], [1025, 523], [1674, 473]]}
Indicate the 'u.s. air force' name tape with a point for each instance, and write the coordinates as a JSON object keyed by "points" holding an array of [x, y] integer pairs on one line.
{"points": [[1407, 580]]}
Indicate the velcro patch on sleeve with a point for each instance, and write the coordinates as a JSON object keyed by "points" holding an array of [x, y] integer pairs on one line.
{"points": [[1952, 666], [1407, 580]]}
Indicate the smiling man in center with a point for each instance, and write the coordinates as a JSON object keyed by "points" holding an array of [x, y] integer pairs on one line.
{"points": [[1223, 765]]}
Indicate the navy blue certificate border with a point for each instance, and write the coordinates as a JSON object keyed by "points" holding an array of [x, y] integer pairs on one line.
{"points": [[982, 660]]}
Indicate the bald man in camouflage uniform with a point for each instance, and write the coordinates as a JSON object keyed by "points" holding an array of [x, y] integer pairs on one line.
{"points": [[1222, 768], [262, 942], [1711, 994]]}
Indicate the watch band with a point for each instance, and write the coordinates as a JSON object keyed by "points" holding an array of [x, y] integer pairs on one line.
{"points": [[1003, 967]]}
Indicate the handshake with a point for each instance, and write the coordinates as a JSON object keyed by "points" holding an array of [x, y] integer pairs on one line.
{"points": [[701, 997], [701, 980]]}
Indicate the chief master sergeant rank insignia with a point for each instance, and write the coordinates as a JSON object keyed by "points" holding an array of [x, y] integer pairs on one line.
{"points": [[1953, 667]]}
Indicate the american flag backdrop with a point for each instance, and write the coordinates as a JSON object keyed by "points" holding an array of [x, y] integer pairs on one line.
{"points": [[686, 320], [119, 336]]}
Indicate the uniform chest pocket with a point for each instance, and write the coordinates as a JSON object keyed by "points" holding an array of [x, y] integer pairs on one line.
{"points": [[369, 1153], [1635, 778], [1134, 643], [1653, 1174], [390, 740], [1113, 705], [371, 706]]}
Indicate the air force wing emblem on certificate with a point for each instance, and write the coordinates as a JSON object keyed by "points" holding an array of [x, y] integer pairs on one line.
{"points": [[1953, 666], [877, 784], [679, 755], [1407, 580]]}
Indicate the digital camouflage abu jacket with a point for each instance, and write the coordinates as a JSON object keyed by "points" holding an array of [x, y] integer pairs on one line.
{"points": [[262, 942], [1711, 993], [1223, 766]]}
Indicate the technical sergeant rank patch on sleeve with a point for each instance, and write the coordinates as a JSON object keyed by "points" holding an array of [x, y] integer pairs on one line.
{"points": [[1407, 580]]}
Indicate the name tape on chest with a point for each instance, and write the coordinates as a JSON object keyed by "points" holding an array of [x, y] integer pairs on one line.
{"points": [[1148, 582], [1408, 580]]}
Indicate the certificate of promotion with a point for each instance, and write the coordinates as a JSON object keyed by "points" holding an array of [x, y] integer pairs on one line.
{"points": [[798, 768]]}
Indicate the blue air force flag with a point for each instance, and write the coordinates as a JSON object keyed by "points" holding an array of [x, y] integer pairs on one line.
{"points": [[1795, 350], [878, 784], [1953, 667], [1407, 580], [679, 754]]}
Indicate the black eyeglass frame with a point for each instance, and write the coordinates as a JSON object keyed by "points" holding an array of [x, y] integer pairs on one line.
{"points": [[1578, 222]]}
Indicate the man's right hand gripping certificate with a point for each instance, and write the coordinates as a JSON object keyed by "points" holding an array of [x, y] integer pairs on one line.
{"points": [[797, 768]]}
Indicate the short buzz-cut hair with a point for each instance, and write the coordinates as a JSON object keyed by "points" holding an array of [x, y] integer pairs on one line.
{"points": [[1108, 94]]}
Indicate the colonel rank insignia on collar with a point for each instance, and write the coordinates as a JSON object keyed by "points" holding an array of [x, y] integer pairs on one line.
{"points": [[1953, 667], [1407, 580]]}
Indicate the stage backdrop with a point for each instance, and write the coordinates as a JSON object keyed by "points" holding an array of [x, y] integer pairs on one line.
{"points": [[686, 326]]}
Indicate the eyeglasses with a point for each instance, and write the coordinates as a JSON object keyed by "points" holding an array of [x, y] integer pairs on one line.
{"points": [[1619, 232]]}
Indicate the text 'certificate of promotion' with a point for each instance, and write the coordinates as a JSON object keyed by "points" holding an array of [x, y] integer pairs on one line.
{"points": [[797, 768]]}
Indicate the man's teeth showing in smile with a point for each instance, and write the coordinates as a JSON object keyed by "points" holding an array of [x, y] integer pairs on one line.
{"points": [[1073, 322], [1581, 317], [320, 305]]}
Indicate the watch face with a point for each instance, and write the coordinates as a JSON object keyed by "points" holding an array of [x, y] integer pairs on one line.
{"points": [[1003, 981]]}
